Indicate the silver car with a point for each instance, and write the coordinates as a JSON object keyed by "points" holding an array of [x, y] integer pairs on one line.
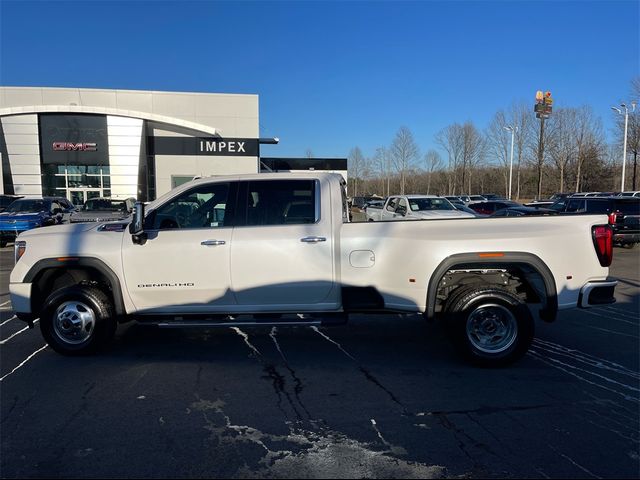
{"points": [[103, 210]]}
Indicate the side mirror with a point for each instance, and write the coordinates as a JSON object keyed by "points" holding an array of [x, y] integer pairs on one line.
{"points": [[401, 211], [136, 227], [57, 211]]}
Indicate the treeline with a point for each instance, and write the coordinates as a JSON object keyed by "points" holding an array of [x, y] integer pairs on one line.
{"points": [[576, 156]]}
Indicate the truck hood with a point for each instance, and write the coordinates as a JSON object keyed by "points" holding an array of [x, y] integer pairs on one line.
{"points": [[435, 214], [66, 229]]}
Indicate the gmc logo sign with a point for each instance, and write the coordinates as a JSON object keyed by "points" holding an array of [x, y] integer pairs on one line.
{"points": [[75, 147]]}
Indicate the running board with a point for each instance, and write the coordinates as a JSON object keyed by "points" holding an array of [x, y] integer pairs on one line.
{"points": [[282, 323]]}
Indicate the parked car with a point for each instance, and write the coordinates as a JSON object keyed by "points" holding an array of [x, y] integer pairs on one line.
{"points": [[624, 215], [27, 213], [418, 207], [477, 198], [357, 205], [485, 279], [103, 210], [373, 208], [455, 200], [6, 200], [522, 211], [493, 196], [464, 208], [487, 208], [465, 198], [629, 194]]}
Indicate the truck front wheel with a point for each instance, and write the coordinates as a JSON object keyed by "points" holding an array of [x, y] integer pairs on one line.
{"points": [[491, 326], [78, 320]]}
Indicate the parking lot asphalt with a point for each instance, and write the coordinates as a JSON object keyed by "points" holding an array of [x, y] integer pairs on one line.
{"points": [[382, 397]]}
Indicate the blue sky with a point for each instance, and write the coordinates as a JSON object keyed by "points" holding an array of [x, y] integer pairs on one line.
{"points": [[334, 75]]}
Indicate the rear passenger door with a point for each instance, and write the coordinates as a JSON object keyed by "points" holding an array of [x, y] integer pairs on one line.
{"points": [[282, 247]]}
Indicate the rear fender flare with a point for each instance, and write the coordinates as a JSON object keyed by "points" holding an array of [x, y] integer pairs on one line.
{"points": [[549, 310]]}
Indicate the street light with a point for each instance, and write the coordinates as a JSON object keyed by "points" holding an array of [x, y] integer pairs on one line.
{"points": [[513, 131], [624, 142]]}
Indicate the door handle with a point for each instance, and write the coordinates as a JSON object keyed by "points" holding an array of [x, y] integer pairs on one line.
{"points": [[212, 242], [313, 239]]}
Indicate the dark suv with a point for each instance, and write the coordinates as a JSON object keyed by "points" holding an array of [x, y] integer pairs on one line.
{"points": [[623, 212]]}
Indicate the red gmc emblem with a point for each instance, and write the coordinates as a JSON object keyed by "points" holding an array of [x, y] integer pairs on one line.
{"points": [[75, 147]]}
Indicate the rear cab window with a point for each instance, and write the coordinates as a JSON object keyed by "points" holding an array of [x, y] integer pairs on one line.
{"points": [[279, 202]]}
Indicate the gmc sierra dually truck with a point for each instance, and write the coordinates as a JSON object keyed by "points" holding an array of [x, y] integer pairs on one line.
{"points": [[216, 250]]}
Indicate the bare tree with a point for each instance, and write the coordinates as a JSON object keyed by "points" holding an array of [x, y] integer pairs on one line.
{"points": [[473, 147], [308, 153], [588, 138], [521, 119], [633, 130], [433, 162], [450, 139], [356, 168], [404, 152], [381, 164], [562, 144], [499, 145]]}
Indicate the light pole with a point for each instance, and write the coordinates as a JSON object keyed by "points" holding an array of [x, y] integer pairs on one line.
{"points": [[513, 131], [624, 142]]}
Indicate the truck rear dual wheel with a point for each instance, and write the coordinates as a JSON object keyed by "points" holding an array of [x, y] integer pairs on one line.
{"points": [[78, 320], [489, 325]]}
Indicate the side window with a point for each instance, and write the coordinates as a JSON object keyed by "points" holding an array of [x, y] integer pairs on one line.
{"points": [[345, 203], [598, 206], [200, 207], [280, 202], [401, 209], [391, 206], [574, 206]]}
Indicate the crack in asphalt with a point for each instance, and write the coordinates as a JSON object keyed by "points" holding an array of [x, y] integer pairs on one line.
{"points": [[368, 375], [277, 380], [298, 386]]}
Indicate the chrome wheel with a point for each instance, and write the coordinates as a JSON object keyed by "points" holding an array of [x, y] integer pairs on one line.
{"points": [[74, 322], [492, 328]]}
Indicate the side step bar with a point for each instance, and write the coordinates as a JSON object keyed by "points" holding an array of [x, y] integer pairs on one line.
{"points": [[282, 323], [226, 321]]}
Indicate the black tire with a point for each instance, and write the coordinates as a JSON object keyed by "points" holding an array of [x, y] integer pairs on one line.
{"points": [[489, 325], [90, 307]]}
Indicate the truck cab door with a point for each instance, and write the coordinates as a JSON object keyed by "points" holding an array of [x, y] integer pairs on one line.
{"points": [[282, 252], [183, 267], [388, 211]]}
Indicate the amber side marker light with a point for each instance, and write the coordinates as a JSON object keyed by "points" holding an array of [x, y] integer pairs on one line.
{"points": [[66, 259], [491, 254]]}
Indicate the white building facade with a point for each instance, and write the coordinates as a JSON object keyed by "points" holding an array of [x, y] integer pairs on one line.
{"points": [[84, 143]]}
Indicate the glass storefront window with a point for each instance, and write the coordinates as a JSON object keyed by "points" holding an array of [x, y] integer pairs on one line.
{"points": [[58, 180]]}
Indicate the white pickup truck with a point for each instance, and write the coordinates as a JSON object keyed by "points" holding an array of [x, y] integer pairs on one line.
{"points": [[214, 251], [415, 207]]}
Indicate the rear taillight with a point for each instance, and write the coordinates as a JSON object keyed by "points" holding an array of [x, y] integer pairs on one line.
{"points": [[603, 243]]}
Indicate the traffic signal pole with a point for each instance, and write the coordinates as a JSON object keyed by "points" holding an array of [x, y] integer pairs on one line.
{"points": [[543, 109], [540, 156]]}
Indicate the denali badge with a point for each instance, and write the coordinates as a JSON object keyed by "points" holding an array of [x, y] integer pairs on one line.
{"points": [[76, 147], [160, 285]]}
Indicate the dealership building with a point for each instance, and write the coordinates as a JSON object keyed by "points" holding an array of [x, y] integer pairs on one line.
{"points": [[84, 143]]}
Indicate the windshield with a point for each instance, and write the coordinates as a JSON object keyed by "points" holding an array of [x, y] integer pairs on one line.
{"points": [[419, 204], [27, 206], [104, 205]]}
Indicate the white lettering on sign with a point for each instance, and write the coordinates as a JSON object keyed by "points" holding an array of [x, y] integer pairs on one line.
{"points": [[222, 146]]}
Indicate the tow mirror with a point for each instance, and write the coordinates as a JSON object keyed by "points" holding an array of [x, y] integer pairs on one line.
{"points": [[136, 227]]}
